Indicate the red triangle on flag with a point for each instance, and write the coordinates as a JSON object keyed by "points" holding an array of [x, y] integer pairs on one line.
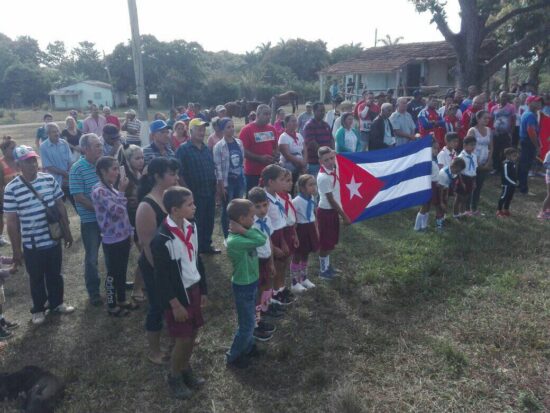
{"points": [[357, 187]]}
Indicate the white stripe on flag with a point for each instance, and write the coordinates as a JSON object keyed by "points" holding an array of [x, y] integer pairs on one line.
{"points": [[392, 166], [410, 186]]}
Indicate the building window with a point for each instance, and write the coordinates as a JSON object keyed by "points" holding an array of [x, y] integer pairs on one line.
{"points": [[97, 95]]}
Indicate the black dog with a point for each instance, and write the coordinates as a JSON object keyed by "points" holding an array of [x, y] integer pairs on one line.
{"points": [[38, 389]]}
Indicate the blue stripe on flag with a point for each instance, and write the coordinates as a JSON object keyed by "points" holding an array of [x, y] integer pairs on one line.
{"points": [[415, 171], [388, 154], [396, 204]]}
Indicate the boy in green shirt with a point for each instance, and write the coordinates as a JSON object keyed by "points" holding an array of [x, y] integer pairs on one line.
{"points": [[241, 248]]}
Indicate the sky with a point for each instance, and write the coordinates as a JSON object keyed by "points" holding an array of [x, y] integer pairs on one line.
{"points": [[238, 28]]}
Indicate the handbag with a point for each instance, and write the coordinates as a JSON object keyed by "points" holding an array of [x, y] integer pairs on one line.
{"points": [[53, 217]]}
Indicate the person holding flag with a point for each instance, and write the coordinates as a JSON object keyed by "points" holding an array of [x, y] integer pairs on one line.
{"points": [[429, 122]]}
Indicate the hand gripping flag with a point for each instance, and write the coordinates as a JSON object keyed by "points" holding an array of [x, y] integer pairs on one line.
{"points": [[387, 180]]}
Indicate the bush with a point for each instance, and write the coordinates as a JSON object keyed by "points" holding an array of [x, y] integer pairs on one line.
{"points": [[219, 91]]}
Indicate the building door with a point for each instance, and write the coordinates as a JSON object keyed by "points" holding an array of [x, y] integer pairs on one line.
{"points": [[413, 77]]}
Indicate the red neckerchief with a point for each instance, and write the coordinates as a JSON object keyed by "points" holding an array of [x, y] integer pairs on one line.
{"points": [[293, 136], [288, 204], [185, 238], [333, 173]]}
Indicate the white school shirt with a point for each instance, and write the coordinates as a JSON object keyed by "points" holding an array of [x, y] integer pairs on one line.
{"points": [[435, 171], [471, 163], [445, 177], [301, 210], [276, 213], [290, 214], [189, 272], [445, 157], [325, 185], [264, 251]]}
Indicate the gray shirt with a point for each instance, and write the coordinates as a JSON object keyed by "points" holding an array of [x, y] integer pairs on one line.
{"points": [[404, 123]]}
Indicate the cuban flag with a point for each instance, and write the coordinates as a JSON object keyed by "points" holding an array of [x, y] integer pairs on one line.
{"points": [[387, 180]]}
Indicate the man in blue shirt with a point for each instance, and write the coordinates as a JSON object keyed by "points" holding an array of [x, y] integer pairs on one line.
{"points": [[56, 156], [529, 141], [41, 134]]}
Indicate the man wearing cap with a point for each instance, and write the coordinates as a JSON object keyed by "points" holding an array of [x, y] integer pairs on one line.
{"points": [[260, 145], [415, 105], [221, 111], [402, 123], [112, 119], [198, 174], [95, 122], [56, 157], [82, 178], [529, 141], [160, 142], [305, 117], [111, 139], [25, 200], [132, 127], [41, 133]]}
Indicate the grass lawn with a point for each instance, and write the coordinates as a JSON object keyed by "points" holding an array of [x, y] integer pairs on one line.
{"points": [[437, 322]]}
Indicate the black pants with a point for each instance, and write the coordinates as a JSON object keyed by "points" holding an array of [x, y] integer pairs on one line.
{"points": [[526, 158], [116, 260], [506, 197], [44, 268], [500, 142], [251, 182], [204, 217]]}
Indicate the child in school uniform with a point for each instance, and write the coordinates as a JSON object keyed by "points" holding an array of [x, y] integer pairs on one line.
{"points": [[448, 153], [306, 230], [181, 286], [241, 248], [509, 179], [447, 177], [262, 222], [274, 182], [421, 223], [289, 231], [329, 211], [467, 184]]}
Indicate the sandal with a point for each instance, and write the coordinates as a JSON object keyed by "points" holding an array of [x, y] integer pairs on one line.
{"points": [[118, 312], [129, 305]]}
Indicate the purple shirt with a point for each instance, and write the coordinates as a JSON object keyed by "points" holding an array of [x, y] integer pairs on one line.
{"points": [[111, 213], [320, 133]]}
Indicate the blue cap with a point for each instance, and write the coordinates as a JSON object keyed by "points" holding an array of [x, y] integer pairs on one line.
{"points": [[158, 125], [184, 117]]}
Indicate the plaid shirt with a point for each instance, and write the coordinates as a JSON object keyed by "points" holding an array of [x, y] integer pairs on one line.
{"points": [[151, 152], [221, 159], [197, 168]]}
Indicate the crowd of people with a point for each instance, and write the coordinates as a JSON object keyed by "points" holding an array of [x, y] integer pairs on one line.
{"points": [[278, 189]]}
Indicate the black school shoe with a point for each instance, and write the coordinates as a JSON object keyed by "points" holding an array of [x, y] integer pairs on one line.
{"points": [[282, 298], [272, 313], [262, 335], [8, 325], [266, 327], [191, 380], [278, 307], [4, 334]]}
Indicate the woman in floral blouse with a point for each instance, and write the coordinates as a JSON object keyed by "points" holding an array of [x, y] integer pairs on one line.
{"points": [[116, 232]]}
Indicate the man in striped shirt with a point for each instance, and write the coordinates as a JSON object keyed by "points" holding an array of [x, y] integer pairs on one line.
{"points": [[82, 178], [25, 200]]}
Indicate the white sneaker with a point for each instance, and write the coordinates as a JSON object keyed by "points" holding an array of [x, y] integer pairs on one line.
{"points": [[225, 242], [38, 318], [308, 284], [297, 288], [64, 309], [3, 241]]}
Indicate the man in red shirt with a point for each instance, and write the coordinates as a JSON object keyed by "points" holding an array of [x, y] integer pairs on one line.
{"points": [[469, 114], [260, 146]]}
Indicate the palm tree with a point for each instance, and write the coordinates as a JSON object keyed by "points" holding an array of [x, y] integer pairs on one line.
{"points": [[263, 48], [388, 40]]}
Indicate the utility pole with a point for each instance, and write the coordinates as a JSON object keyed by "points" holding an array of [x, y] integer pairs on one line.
{"points": [[138, 71]]}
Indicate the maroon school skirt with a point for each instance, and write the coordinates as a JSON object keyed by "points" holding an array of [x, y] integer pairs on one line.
{"points": [[264, 273], [328, 223], [190, 327], [288, 233], [308, 237], [436, 199], [277, 239], [468, 187]]}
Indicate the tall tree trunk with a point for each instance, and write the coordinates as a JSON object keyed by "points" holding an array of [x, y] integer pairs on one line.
{"points": [[534, 70]]}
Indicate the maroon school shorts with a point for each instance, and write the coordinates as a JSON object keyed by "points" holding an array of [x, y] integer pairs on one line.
{"points": [[264, 273], [190, 327], [329, 228], [277, 239], [288, 233], [436, 199], [468, 187], [308, 237]]}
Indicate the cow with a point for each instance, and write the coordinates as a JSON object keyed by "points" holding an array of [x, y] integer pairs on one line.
{"points": [[286, 98]]}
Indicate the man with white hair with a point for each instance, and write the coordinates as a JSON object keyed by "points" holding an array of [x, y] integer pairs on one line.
{"points": [[132, 127], [402, 123], [381, 132], [56, 156], [198, 174]]}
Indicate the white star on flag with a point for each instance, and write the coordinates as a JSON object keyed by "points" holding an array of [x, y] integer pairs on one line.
{"points": [[353, 188]]}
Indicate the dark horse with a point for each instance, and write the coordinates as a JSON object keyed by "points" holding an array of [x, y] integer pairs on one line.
{"points": [[241, 108], [286, 98]]}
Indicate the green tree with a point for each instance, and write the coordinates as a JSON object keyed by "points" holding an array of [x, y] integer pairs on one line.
{"points": [[345, 52], [87, 61], [480, 20], [27, 50], [24, 85], [56, 54]]}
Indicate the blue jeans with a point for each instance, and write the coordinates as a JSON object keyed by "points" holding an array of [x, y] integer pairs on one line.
{"points": [[91, 238], [234, 189], [526, 157], [245, 303], [153, 320], [251, 181], [313, 169]]}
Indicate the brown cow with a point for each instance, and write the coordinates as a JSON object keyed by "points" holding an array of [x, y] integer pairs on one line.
{"points": [[286, 98]]}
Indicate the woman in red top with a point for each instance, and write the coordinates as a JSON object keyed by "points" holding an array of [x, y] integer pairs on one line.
{"points": [[180, 135], [279, 124], [8, 171]]}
